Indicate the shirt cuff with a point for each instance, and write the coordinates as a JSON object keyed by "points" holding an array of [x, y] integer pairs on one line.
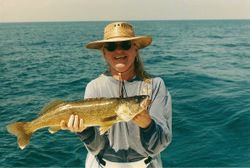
{"points": [[87, 135], [147, 133]]}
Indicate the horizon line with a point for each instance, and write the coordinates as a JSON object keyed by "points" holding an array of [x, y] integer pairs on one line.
{"points": [[129, 20]]}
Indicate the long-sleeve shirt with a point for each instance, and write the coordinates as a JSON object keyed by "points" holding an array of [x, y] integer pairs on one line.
{"points": [[125, 141]]}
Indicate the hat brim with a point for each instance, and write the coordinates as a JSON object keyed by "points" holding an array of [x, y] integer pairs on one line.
{"points": [[141, 41]]}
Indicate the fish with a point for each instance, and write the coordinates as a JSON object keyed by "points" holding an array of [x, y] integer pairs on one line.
{"points": [[100, 112]]}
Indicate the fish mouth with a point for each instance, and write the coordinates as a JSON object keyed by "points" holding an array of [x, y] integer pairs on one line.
{"points": [[145, 103]]}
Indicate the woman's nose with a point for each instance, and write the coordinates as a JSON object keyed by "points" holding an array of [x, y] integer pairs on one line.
{"points": [[119, 50]]}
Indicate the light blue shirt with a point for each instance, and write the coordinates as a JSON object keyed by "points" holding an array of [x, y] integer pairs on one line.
{"points": [[125, 141]]}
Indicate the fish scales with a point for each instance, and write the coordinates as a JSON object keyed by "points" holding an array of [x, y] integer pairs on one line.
{"points": [[89, 110], [102, 112]]}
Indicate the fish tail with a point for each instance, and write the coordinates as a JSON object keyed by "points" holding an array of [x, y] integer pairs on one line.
{"points": [[19, 130]]}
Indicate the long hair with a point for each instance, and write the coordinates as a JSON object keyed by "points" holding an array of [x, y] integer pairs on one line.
{"points": [[139, 68]]}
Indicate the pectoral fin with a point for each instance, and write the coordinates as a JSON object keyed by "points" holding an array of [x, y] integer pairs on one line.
{"points": [[104, 129], [109, 119], [54, 129]]}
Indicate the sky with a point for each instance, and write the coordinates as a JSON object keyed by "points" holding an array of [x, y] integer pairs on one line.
{"points": [[102, 10]]}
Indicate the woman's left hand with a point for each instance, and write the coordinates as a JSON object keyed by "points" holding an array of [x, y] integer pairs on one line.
{"points": [[143, 119]]}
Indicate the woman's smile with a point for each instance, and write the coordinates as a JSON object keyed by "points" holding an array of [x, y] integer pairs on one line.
{"points": [[120, 57], [120, 61]]}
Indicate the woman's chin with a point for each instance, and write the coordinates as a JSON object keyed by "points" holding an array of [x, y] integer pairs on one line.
{"points": [[120, 67]]}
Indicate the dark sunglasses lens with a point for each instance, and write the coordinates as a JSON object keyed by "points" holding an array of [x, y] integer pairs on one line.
{"points": [[110, 46], [126, 45]]}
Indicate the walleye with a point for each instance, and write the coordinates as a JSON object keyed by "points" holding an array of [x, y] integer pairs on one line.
{"points": [[103, 112]]}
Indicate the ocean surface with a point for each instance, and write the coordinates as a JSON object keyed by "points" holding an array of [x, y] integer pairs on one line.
{"points": [[205, 65]]}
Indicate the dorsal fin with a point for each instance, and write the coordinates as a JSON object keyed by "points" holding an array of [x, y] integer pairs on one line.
{"points": [[95, 99], [50, 106]]}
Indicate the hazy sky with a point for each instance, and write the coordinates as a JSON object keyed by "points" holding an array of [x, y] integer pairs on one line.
{"points": [[85, 10]]}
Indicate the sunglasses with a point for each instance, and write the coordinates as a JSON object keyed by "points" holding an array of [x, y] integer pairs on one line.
{"points": [[112, 46]]}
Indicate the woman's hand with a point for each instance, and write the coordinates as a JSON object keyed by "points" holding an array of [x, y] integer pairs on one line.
{"points": [[75, 124], [142, 119]]}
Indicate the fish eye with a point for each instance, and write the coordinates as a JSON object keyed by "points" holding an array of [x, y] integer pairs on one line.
{"points": [[137, 100]]}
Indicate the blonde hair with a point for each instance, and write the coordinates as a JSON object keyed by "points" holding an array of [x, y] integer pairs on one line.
{"points": [[139, 68]]}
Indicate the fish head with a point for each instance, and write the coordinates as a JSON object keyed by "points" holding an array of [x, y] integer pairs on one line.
{"points": [[131, 106]]}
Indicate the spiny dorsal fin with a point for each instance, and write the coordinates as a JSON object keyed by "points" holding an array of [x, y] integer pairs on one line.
{"points": [[50, 106], [92, 99], [89, 100]]}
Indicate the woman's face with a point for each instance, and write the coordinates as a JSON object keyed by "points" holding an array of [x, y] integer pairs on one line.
{"points": [[120, 55]]}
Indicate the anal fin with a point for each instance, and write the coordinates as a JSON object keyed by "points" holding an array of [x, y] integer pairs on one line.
{"points": [[104, 129], [54, 129]]}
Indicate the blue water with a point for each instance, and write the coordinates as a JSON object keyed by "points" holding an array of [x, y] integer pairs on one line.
{"points": [[205, 64]]}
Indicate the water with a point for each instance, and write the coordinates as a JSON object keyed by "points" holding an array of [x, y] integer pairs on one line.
{"points": [[205, 64]]}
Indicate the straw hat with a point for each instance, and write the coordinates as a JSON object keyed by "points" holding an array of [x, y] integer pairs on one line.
{"points": [[120, 31]]}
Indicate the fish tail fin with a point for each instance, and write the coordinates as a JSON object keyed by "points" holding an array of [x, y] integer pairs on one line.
{"points": [[19, 130]]}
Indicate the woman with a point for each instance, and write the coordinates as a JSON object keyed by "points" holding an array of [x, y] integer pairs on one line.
{"points": [[136, 143]]}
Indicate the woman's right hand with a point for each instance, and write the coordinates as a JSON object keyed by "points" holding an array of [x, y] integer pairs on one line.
{"points": [[74, 124]]}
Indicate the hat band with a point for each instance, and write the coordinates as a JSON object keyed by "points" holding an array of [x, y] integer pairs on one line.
{"points": [[118, 33], [113, 37]]}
